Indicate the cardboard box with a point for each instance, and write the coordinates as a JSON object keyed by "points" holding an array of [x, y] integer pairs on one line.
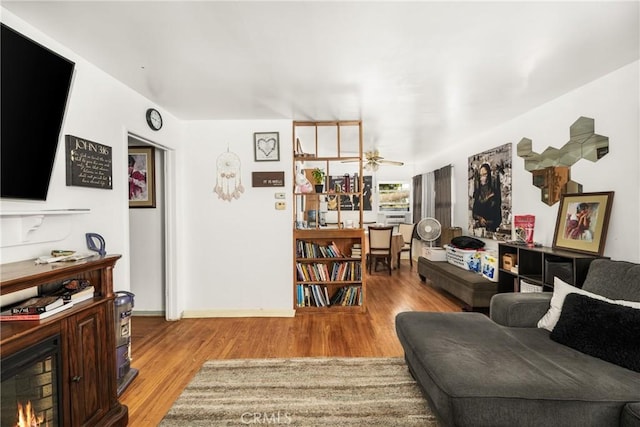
{"points": [[509, 261], [449, 233]]}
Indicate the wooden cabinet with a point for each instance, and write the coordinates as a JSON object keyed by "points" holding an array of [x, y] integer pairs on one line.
{"points": [[538, 265], [328, 242], [88, 364], [88, 387]]}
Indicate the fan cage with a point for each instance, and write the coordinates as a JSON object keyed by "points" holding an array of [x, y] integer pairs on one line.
{"points": [[434, 231]]}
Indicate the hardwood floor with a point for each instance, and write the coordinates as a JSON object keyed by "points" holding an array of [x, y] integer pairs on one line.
{"points": [[168, 354]]}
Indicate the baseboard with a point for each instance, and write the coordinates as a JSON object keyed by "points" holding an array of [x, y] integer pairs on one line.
{"points": [[148, 313], [193, 314]]}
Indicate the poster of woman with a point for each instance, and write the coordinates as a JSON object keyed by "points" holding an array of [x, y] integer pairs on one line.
{"points": [[580, 220], [490, 193]]}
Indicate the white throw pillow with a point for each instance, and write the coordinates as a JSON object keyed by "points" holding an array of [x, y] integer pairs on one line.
{"points": [[560, 290]]}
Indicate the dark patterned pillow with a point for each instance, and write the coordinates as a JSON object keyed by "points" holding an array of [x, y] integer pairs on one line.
{"points": [[607, 331]]}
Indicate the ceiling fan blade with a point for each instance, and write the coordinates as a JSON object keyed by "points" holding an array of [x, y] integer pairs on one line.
{"points": [[351, 161], [390, 162]]}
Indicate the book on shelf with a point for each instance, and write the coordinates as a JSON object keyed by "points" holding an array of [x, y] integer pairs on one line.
{"points": [[74, 290], [348, 296], [356, 251], [37, 305], [6, 316], [309, 295]]}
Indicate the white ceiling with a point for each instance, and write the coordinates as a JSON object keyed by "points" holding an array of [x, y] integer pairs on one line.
{"points": [[421, 75]]}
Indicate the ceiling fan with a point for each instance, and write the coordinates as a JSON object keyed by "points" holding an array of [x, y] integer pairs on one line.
{"points": [[373, 160]]}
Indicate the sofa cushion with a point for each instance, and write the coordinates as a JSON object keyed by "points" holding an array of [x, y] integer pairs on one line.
{"points": [[625, 286], [560, 291], [608, 331], [477, 373]]}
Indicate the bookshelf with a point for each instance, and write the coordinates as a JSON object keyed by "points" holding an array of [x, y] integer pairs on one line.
{"points": [[328, 272]]}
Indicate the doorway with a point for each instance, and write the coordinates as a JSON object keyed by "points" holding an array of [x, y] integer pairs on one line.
{"points": [[149, 237]]}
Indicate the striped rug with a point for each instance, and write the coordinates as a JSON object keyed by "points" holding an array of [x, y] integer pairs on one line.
{"points": [[302, 392]]}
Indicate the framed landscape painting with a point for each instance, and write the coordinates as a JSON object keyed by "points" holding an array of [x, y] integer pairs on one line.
{"points": [[583, 219]]}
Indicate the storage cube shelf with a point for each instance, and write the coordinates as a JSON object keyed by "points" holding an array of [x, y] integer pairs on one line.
{"points": [[538, 265]]}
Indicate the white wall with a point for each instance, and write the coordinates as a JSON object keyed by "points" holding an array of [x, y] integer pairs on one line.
{"points": [[613, 102], [103, 110], [238, 254]]}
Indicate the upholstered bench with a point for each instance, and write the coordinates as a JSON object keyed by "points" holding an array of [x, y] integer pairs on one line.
{"points": [[475, 290]]}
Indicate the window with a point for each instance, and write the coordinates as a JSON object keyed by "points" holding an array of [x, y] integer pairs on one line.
{"points": [[393, 196]]}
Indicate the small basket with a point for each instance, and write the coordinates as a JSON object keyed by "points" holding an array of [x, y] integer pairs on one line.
{"points": [[529, 287]]}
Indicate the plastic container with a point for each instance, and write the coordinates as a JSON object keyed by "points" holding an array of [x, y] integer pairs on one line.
{"points": [[469, 259], [490, 266]]}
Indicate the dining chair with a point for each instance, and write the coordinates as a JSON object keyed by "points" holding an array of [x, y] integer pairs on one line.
{"points": [[408, 232], [379, 247]]}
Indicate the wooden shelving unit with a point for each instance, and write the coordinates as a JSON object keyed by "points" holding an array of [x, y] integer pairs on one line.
{"points": [[328, 273], [536, 265]]}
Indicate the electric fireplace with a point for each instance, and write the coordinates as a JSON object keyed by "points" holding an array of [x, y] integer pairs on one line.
{"points": [[61, 371], [31, 386]]}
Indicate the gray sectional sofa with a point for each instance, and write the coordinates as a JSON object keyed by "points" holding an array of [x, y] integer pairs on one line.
{"points": [[507, 371]]}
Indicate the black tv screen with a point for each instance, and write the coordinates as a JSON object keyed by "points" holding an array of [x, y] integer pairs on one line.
{"points": [[34, 87]]}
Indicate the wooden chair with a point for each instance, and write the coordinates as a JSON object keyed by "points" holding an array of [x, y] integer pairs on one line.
{"points": [[408, 232], [379, 247]]}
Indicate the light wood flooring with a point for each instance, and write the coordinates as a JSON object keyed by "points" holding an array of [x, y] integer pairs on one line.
{"points": [[168, 354]]}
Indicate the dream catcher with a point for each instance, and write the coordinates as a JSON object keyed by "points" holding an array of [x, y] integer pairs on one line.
{"points": [[228, 180]]}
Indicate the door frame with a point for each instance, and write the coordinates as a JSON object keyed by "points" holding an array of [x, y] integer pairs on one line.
{"points": [[170, 247]]}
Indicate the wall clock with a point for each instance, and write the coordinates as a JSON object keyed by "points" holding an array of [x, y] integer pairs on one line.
{"points": [[154, 119]]}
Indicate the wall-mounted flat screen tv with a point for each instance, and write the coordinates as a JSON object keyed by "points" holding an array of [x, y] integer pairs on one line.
{"points": [[34, 87]]}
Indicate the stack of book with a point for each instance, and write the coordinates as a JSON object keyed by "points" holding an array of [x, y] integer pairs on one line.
{"points": [[40, 307], [356, 251], [75, 290], [35, 308]]}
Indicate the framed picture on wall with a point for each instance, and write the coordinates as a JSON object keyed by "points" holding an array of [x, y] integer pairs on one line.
{"points": [[583, 219], [142, 191], [266, 146]]}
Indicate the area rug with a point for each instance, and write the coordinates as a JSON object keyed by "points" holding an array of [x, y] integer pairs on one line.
{"points": [[302, 392]]}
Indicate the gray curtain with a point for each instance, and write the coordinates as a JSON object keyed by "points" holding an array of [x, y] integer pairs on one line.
{"points": [[432, 196], [442, 187], [417, 198]]}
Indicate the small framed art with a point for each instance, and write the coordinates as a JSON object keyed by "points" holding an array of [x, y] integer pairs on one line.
{"points": [[142, 192], [266, 146], [583, 219]]}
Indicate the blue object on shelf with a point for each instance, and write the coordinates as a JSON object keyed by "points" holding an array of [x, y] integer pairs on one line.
{"points": [[96, 243]]}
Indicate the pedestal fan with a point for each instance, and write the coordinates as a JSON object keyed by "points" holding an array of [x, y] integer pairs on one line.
{"points": [[429, 230]]}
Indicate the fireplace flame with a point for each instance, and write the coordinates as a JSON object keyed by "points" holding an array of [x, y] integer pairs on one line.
{"points": [[27, 417]]}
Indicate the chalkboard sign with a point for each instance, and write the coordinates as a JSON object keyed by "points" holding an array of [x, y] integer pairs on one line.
{"points": [[89, 164]]}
